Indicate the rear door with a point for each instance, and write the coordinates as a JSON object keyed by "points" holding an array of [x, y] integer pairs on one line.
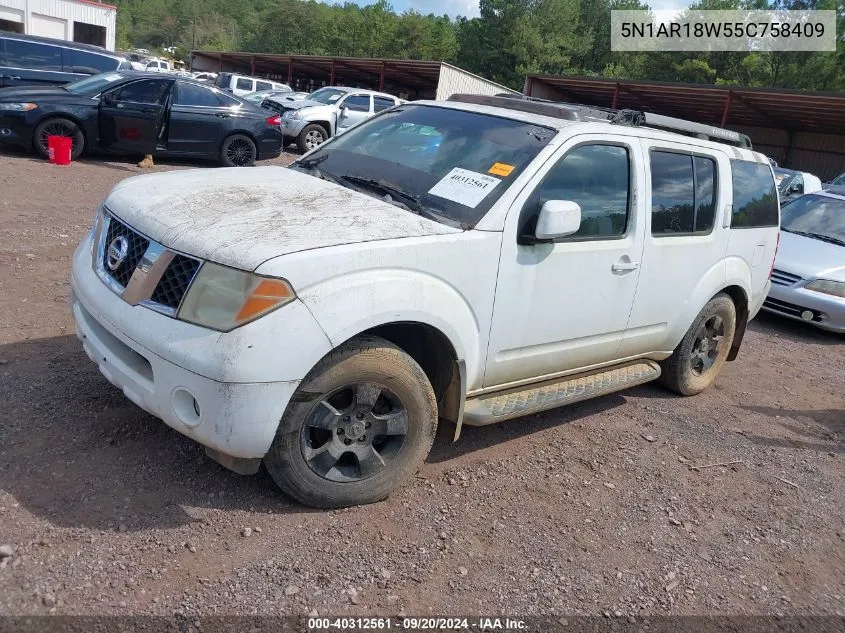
{"points": [[198, 120], [132, 115], [354, 109]]}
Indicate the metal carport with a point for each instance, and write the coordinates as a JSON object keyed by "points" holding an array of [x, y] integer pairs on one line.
{"points": [[800, 130]]}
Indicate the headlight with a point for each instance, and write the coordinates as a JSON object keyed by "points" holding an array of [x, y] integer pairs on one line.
{"points": [[835, 288], [294, 114], [17, 107], [223, 298]]}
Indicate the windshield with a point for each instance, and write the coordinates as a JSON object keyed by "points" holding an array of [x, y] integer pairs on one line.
{"points": [[785, 179], [840, 180], [819, 215], [93, 85], [447, 164], [326, 95]]}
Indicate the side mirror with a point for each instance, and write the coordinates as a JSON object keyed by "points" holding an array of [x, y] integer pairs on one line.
{"points": [[107, 98], [345, 111], [558, 218]]}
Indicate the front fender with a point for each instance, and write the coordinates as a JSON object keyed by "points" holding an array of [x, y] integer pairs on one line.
{"points": [[347, 305]]}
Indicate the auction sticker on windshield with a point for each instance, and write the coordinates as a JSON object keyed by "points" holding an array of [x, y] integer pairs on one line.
{"points": [[465, 187]]}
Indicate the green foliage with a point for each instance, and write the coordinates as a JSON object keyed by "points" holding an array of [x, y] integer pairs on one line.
{"points": [[510, 39]]}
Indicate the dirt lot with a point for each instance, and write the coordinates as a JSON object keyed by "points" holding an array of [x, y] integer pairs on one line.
{"points": [[592, 509]]}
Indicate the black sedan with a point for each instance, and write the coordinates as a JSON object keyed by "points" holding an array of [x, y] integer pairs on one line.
{"points": [[141, 113]]}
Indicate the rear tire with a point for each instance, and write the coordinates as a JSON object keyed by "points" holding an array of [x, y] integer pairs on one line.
{"points": [[238, 151], [58, 126], [312, 136], [702, 353], [361, 423]]}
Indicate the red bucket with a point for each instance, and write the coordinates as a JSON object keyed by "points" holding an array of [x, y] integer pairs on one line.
{"points": [[60, 149]]}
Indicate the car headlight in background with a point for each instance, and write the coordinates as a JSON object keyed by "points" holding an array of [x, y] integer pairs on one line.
{"points": [[17, 107], [835, 288], [223, 298]]}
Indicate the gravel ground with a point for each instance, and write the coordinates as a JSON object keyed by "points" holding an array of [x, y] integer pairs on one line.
{"points": [[592, 509]]}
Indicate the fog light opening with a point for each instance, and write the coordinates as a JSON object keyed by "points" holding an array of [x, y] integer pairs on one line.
{"points": [[187, 408], [808, 315]]}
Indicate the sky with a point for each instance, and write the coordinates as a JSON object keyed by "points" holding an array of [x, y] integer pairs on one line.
{"points": [[469, 8]]}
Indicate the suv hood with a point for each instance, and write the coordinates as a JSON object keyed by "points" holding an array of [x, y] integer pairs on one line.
{"points": [[33, 93], [302, 103], [243, 217], [810, 258]]}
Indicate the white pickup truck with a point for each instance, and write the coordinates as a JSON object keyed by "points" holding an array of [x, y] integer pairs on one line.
{"points": [[471, 261]]}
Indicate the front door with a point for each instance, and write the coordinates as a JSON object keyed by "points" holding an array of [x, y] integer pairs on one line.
{"points": [[198, 120], [132, 115], [353, 110], [564, 305]]}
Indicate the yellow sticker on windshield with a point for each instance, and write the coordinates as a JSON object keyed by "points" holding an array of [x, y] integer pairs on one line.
{"points": [[501, 169]]}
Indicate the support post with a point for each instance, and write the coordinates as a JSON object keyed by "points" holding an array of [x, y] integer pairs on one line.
{"points": [[252, 65], [331, 76], [290, 70], [788, 162], [727, 108], [615, 97], [381, 77]]}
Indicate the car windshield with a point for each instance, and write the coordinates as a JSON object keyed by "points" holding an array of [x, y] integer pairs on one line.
{"points": [[785, 178], [821, 217], [326, 95], [840, 180], [443, 163], [93, 85]]}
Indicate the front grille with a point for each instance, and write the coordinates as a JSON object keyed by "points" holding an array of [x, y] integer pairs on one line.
{"points": [[175, 282], [782, 278], [790, 309], [138, 245]]}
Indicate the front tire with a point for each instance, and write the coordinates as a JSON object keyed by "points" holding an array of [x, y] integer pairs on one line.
{"points": [[312, 136], [59, 126], [238, 151], [360, 424], [702, 353]]}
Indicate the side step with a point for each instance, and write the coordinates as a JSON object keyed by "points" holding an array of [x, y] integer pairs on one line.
{"points": [[506, 405]]}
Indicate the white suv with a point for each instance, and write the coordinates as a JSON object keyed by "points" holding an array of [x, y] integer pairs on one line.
{"points": [[473, 261]]}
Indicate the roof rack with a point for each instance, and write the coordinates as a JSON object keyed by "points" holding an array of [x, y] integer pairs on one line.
{"points": [[633, 118]]}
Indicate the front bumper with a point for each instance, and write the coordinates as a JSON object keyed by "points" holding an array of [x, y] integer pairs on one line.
{"points": [[796, 302], [293, 127], [226, 391], [16, 129]]}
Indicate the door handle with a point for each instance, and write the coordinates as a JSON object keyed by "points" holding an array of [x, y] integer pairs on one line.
{"points": [[625, 267]]}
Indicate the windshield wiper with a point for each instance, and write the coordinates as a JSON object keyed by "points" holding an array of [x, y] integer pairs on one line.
{"points": [[818, 236], [311, 163], [310, 166], [409, 200]]}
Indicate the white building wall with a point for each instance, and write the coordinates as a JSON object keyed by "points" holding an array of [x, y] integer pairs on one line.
{"points": [[47, 17], [454, 81]]}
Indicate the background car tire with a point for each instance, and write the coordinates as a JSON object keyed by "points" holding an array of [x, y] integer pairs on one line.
{"points": [[306, 139], [238, 150], [59, 126], [362, 362], [680, 370]]}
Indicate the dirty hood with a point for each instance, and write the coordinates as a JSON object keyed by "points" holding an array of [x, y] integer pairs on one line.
{"points": [[810, 258], [243, 217]]}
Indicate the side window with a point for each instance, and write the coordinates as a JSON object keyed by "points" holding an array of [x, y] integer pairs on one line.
{"points": [[244, 84], [263, 85], [755, 195], [91, 63], [149, 91], [357, 103], [33, 55], [228, 102], [383, 103], [191, 95], [598, 178], [683, 193]]}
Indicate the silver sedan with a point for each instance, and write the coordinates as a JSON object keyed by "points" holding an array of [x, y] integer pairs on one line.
{"points": [[808, 282]]}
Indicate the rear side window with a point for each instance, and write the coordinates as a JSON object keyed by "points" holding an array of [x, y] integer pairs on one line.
{"points": [[358, 103], [263, 85], [244, 84], [89, 63], [755, 195], [383, 103], [33, 55], [683, 194], [192, 95]]}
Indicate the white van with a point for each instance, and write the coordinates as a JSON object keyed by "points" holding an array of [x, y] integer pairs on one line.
{"points": [[241, 85], [473, 260]]}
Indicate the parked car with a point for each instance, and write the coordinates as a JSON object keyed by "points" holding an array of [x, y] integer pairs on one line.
{"points": [[153, 65], [808, 282], [206, 77], [42, 61], [242, 85], [839, 181], [792, 184], [326, 112], [258, 98], [134, 112], [323, 317]]}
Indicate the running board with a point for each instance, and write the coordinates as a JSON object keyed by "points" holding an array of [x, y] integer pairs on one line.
{"points": [[506, 405]]}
